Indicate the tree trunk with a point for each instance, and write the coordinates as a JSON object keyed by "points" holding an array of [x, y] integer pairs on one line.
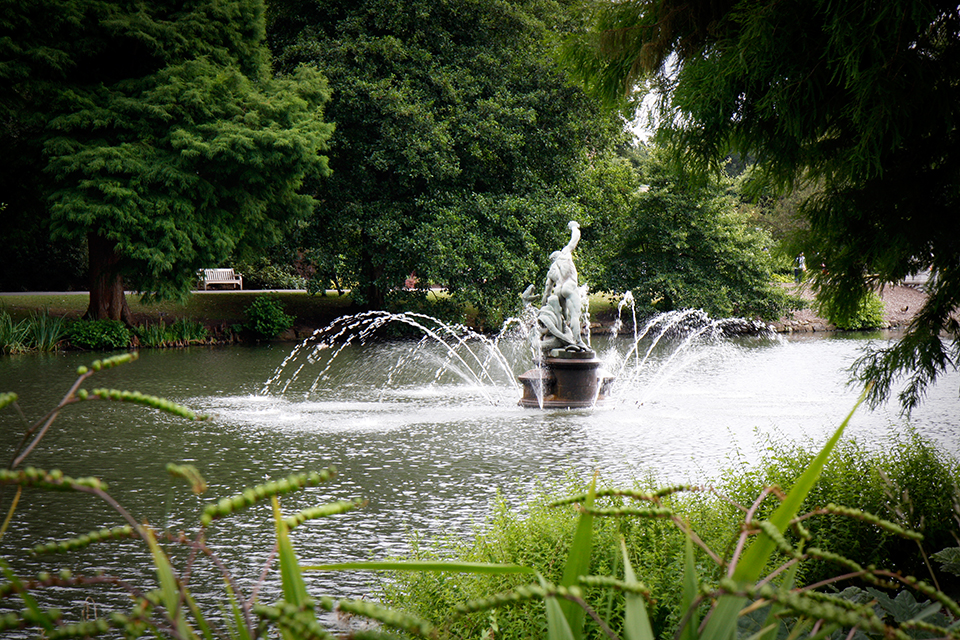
{"points": [[107, 300], [374, 293]]}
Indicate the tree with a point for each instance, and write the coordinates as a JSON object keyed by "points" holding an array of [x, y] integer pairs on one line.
{"points": [[861, 98], [460, 142], [156, 134], [684, 243]]}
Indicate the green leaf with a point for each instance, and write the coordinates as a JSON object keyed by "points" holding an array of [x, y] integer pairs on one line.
{"points": [[294, 588], [169, 586], [690, 592], [723, 619], [949, 560], [636, 622], [557, 626], [240, 627], [291, 579], [578, 562]]}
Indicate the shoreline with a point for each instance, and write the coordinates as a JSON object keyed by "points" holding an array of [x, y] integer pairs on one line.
{"points": [[901, 304]]}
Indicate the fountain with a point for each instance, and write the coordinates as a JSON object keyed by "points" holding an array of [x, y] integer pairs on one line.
{"points": [[567, 373], [552, 335]]}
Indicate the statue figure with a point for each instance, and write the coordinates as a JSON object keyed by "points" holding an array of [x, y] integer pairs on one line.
{"points": [[560, 304]]}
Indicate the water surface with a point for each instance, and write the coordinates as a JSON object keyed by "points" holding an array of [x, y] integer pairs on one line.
{"points": [[429, 451]]}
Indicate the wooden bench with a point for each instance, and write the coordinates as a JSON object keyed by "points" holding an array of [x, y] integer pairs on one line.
{"points": [[221, 276]]}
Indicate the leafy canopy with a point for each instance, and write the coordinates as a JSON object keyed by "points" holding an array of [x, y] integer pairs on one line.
{"points": [[680, 242], [159, 130], [859, 98], [460, 142]]}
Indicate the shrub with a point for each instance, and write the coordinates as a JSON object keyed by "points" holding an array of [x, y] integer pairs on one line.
{"points": [[265, 275], [99, 335], [154, 335], [265, 317], [186, 332], [13, 335], [909, 482], [540, 536], [869, 315]]}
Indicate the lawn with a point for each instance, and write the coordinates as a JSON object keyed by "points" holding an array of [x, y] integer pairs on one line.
{"points": [[214, 308], [209, 307]]}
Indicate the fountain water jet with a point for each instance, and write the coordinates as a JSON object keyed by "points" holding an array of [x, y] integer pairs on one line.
{"points": [[566, 371]]}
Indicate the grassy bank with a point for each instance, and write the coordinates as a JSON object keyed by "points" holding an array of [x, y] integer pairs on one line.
{"points": [[209, 307], [216, 308]]}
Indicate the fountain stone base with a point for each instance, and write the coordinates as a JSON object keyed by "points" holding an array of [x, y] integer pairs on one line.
{"points": [[565, 380]]}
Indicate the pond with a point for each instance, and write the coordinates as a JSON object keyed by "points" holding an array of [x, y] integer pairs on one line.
{"points": [[427, 443]]}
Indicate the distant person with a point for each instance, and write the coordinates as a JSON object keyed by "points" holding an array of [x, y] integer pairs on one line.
{"points": [[799, 266]]}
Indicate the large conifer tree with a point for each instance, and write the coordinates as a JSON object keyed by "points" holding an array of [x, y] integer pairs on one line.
{"points": [[155, 133]]}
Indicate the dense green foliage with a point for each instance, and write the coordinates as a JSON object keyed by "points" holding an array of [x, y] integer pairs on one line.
{"points": [[179, 333], [859, 98], [539, 535], [264, 273], [459, 144], [909, 483], [266, 318], [684, 243], [868, 314], [156, 135], [40, 332], [99, 335]]}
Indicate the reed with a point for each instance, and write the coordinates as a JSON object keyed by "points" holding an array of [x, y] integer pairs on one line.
{"points": [[185, 332], [45, 332], [13, 335]]}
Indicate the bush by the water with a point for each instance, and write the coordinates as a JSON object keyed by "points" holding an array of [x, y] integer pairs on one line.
{"points": [[99, 335], [868, 314], [266, 318], [908, 482]]}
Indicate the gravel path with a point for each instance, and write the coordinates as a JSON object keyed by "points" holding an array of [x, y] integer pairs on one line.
{"points": [[901, 304]]}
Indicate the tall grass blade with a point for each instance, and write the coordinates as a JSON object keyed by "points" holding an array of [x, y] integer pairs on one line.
{"points": [[291, 579], [240, 630], [198, 616], [722, 624], [13, 509], [557, 626], [691, 582], [45, 331], [578, 562], [636, 622], [169, 588]]}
